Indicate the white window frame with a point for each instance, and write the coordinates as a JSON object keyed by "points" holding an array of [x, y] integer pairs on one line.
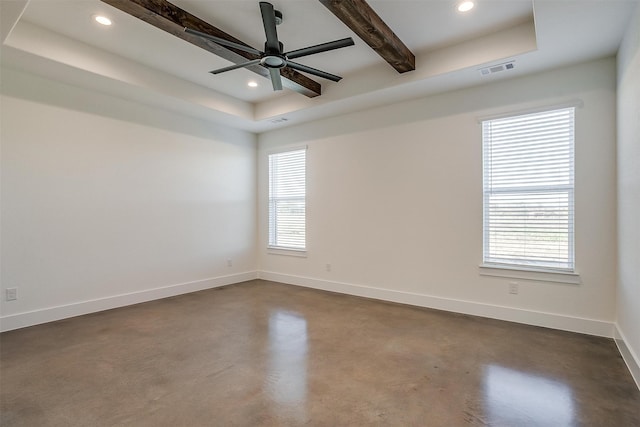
{"points": [[275, 246], [526, 269]]}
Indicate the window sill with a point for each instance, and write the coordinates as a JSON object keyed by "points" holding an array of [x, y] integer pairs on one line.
{"points": [[287, 252], [529, 274]]}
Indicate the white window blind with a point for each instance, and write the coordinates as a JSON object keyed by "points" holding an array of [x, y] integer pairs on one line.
{"points": [[528, 163], [287, 188]]}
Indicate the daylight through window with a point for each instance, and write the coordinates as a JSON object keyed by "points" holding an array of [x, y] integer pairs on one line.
{"points": [[528, 164], [287, 188]]}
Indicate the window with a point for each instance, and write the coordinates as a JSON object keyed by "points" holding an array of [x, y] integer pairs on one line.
{"points": [[287, 188], [528, 164]]}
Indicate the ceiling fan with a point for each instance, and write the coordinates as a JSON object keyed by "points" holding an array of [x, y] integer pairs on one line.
{"points": [[273, 57]]}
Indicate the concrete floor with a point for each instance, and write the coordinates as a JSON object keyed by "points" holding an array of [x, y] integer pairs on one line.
{"points": [[267, 354]]}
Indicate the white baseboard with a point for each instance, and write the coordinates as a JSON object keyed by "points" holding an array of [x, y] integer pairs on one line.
{"points": [[536, 318], [630, 358], [50, 314]]}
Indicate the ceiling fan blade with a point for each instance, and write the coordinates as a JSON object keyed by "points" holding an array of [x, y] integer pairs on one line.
{"points": [[336, 44], [223, 42], [314, 71], [235, 66], [269, 22], [276, 80]]}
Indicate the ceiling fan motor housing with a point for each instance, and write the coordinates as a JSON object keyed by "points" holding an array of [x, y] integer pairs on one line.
{"points": [[273, 59]]}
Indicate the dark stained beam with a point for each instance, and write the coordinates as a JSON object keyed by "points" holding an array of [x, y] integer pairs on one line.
{"points": [[170, 18], [365, 22]]}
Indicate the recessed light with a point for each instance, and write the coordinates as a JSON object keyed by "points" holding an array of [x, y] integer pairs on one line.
{"points": [[465, 6], [103, 20], [252, 84]]}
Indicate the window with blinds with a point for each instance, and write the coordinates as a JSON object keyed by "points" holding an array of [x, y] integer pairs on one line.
{"points": [[287, 188], [528, 164]]}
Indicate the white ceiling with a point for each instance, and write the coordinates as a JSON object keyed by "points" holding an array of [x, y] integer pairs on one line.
{"points": [[135, 60]]}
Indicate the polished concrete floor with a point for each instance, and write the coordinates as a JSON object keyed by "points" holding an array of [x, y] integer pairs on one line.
{"points": [[267, 354]]}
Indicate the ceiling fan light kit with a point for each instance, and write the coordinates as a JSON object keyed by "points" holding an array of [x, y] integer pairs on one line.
{"points": [[273, 57]]}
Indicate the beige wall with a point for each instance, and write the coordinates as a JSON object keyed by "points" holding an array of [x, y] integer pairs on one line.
{"points": [[395, 202], [104, 198], [100, 211], [629, 189]]}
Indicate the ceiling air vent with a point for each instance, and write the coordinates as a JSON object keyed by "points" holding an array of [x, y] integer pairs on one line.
{"points": [[497, 68]]}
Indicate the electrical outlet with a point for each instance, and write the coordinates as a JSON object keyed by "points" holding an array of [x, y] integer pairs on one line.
{"points": [[327, 267], [11, 294], [513, 288], [229, 262]]}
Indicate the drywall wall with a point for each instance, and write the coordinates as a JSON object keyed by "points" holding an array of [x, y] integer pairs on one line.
{"points": [[394, 202], [106, 202], [629, 193]]}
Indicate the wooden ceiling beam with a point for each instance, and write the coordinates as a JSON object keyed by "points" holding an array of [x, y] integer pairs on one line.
{"points": [[365, 22], [170, 18]]}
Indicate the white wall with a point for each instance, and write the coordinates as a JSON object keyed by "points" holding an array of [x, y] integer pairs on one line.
{"points": [[106, 202], [395, 202], [629, 192]]}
